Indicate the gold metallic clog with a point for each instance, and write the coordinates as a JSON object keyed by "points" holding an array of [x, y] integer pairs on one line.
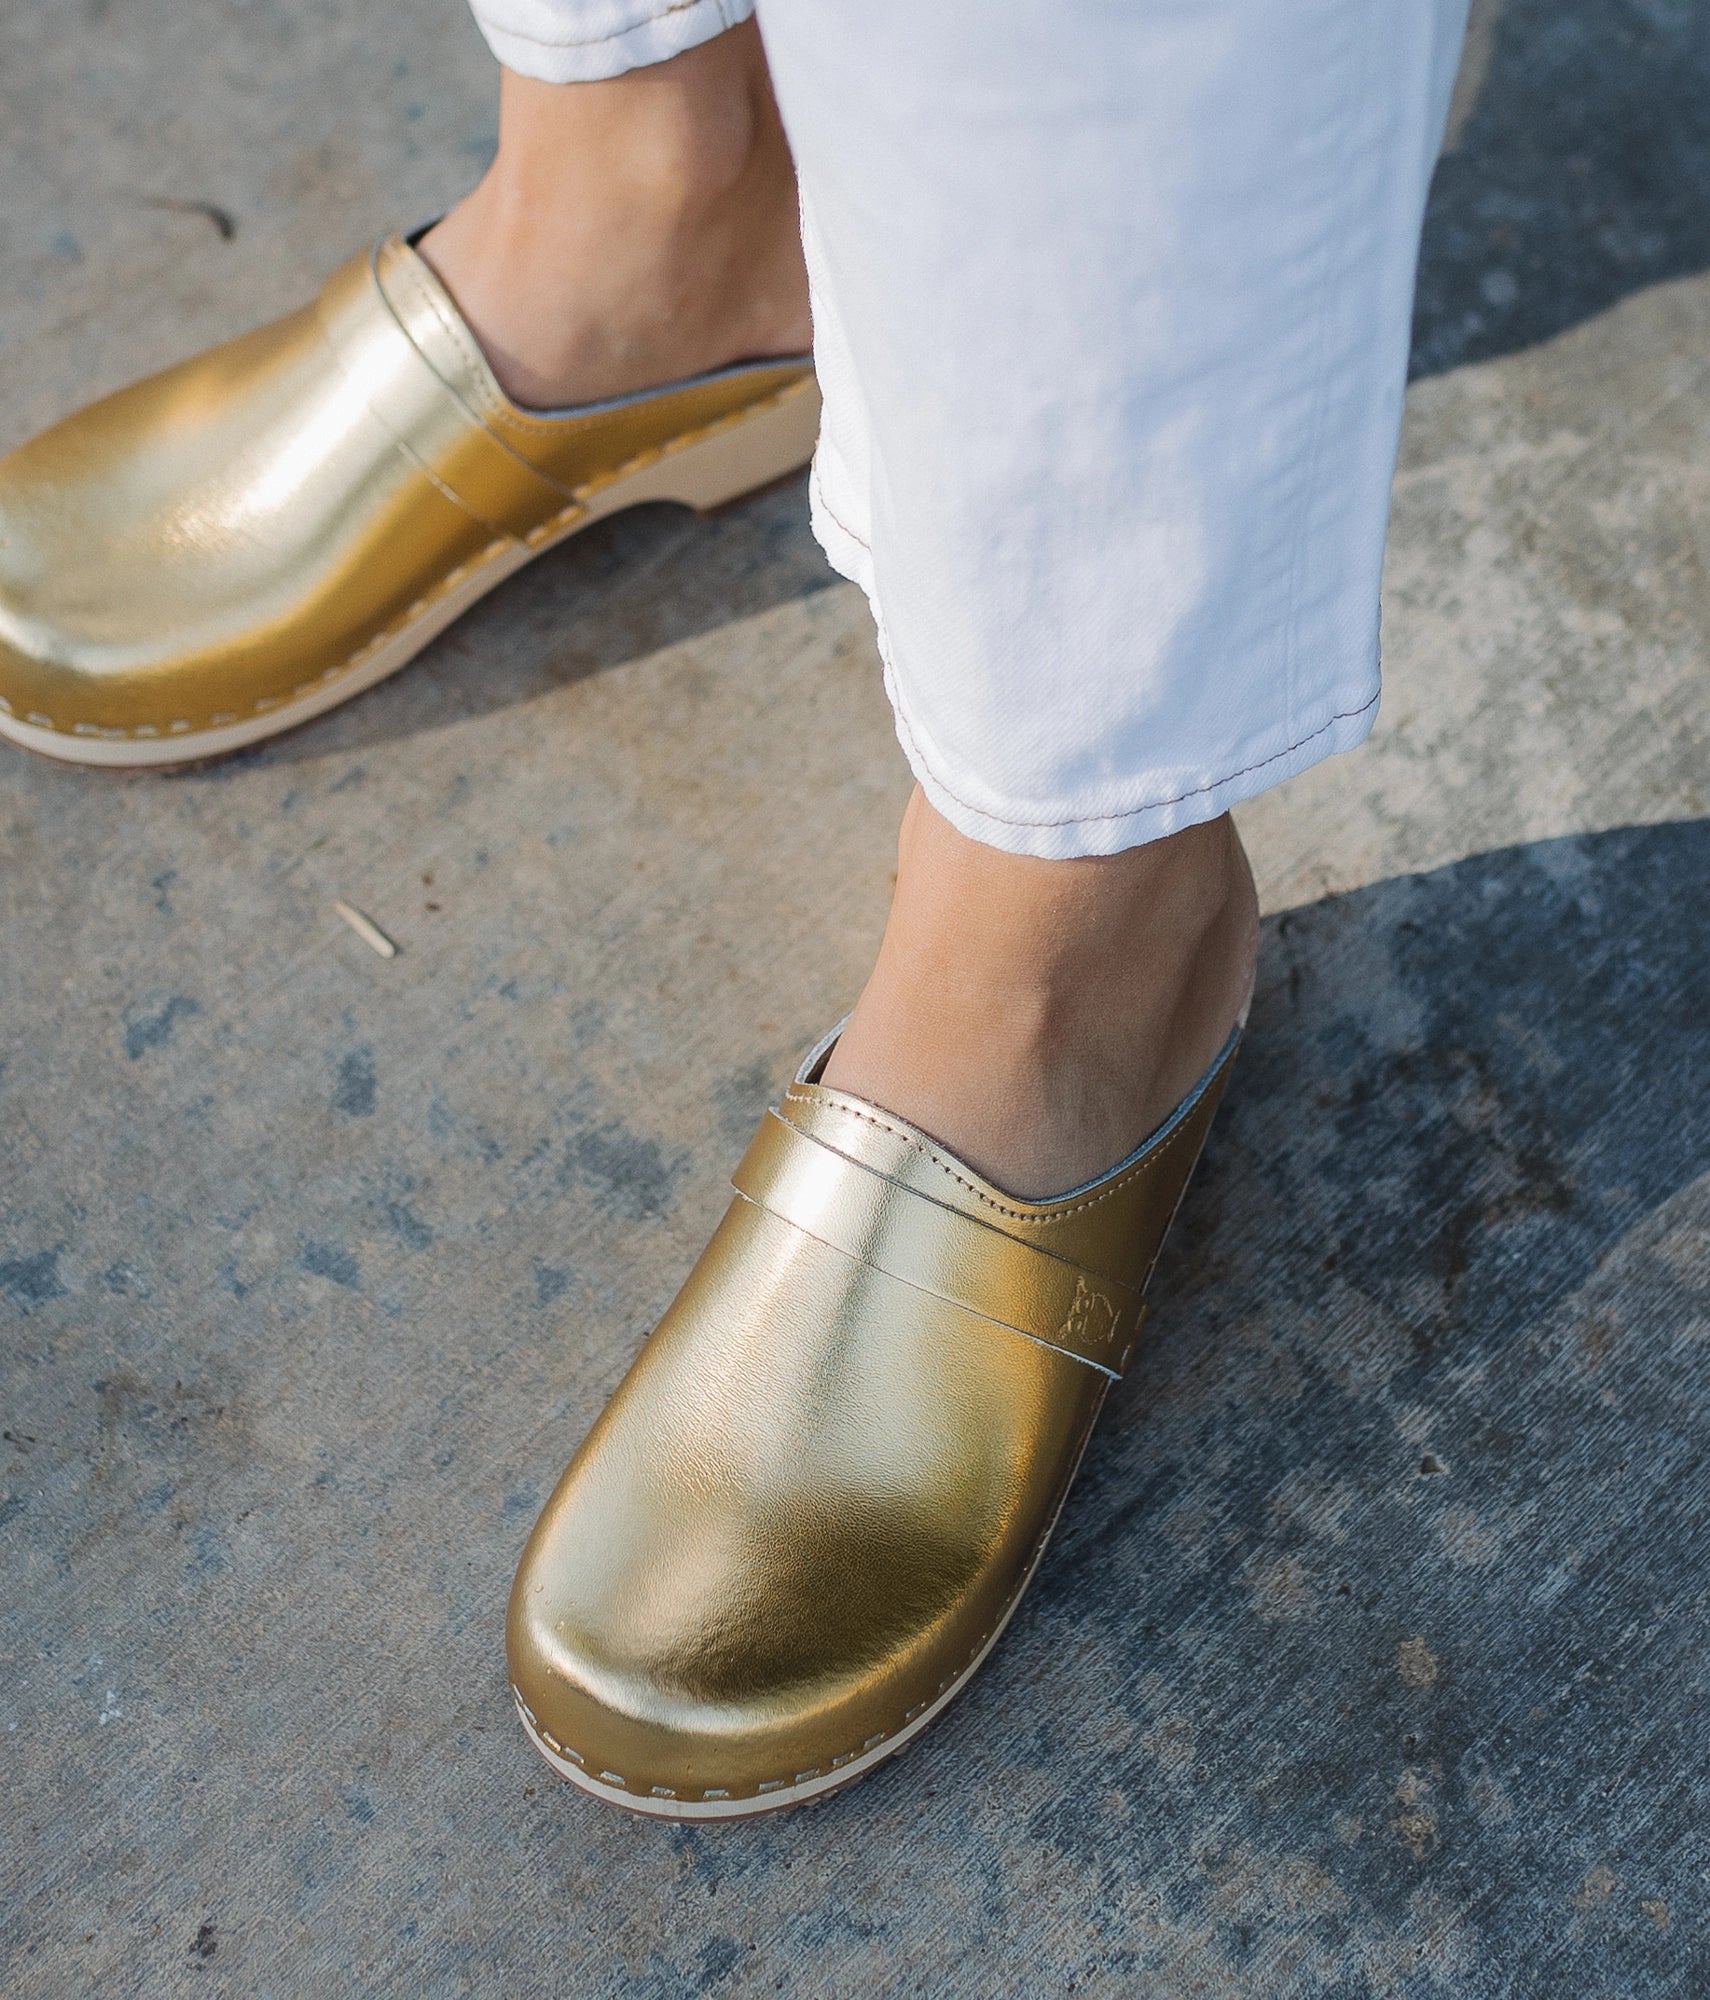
{"points": [[224, 550], [815, 1500]]}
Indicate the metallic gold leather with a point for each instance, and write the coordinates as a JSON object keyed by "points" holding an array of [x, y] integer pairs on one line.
{"points": [[800, 1176], [222, 539], [825, 1480]]}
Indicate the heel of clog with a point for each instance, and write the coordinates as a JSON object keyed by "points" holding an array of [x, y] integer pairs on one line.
{"points": [[736, 458]]}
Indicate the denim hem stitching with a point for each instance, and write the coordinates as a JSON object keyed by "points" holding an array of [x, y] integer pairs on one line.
{"points": [[1133, 812]]}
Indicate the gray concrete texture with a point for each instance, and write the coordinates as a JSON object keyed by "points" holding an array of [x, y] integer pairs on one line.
{"points": [[1370, 1660]]}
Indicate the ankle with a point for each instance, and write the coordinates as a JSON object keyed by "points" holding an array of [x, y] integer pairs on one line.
{"points": [[663, 146], [631, 232], [1041, 1017]]}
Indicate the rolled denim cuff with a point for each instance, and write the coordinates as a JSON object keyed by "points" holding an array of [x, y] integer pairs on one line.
{"points": [[586, 41]]}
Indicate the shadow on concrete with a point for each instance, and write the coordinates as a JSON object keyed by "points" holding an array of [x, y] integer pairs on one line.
{"points": [[1369, 1660], [1581, 172], [1464, 1086], [1390, 1559]]}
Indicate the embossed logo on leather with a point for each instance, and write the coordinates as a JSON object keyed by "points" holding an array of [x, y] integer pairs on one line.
{"points": [[1092, 1318]]}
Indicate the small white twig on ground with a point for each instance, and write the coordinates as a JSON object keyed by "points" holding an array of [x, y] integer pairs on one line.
{"points": [[365, 928]]}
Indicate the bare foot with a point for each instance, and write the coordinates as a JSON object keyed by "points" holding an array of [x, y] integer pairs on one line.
{"points": [[631, 232], [1040, 1018]]}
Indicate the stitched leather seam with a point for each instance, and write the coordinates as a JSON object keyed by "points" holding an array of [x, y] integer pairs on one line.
{"points": [[515, 413], [1033, 1220], [495, 403], [926, 1291], [532, 540], [177, 730], [421, 361], [474, 362], [731, 420], [765, 402], [950, 1208], [467, 347], [456, 499]]}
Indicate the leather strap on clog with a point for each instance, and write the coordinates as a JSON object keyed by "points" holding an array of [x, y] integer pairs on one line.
{"points": [[920, 1242], [430, 424]]}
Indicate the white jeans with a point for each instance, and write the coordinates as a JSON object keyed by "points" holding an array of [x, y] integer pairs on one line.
{"points": [[1111, 308]]}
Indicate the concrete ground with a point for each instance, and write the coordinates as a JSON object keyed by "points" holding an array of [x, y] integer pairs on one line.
{"points": [[1370, 1659]]}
